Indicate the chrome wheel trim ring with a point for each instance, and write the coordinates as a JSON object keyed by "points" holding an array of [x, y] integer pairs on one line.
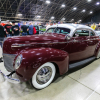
{"points": [[44, 75]]}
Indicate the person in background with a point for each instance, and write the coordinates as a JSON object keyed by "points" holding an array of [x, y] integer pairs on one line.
{"points": [[49, 25], [30, 29], [34, 30], [2, 36], [15, 29], [7, 29], [99, 27], [93, 26], [24, 29]]}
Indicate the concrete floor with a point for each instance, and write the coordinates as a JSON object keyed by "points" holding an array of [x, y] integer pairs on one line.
{"points": [[83, 84]]}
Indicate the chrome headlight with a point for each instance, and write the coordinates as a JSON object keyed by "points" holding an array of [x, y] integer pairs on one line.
{"points": [[18, 61]]}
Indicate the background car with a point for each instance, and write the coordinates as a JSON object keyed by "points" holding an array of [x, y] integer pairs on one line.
{"points": [[98, 33], [40, 29]]}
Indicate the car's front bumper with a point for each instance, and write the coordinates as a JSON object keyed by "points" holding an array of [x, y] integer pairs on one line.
{"points": [[9, 78]]}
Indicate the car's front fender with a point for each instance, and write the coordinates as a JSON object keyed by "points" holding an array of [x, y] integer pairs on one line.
{"points": [[34, 58]]}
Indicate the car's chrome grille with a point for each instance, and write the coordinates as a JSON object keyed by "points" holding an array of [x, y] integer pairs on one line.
{"points": [[8, 61]]}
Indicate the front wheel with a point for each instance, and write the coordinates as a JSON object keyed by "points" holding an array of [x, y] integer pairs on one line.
{"points": [[44, 76]]}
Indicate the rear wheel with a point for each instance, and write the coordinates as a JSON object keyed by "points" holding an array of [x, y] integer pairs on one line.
{"points": [[44, 76], [98, 56]]}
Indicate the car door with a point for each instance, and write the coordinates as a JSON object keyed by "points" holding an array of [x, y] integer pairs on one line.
{"points": [[79, 45], [92, 42]]}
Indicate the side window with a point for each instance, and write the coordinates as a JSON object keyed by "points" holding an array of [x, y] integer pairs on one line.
{"points": [[62, 30], [92, 33], [50, 30], [82, 33]]}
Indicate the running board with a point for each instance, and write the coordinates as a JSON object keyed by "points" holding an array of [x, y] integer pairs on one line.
{"points": [[74, 65]]}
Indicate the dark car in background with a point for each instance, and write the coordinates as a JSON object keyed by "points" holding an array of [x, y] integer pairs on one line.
{"points": [[40, 29]]}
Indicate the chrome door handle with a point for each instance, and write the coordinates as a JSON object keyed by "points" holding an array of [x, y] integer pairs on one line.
{"points": [[75, 40]]}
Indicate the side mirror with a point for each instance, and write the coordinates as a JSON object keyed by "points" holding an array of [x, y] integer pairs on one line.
{"points": [[76, 35], [67, 37]]}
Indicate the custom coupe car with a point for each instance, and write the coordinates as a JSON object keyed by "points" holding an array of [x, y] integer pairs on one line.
{"points": [[37, 58]]}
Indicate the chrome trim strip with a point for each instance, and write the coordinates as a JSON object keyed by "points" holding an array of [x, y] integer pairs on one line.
{"points": [[23, 45]]}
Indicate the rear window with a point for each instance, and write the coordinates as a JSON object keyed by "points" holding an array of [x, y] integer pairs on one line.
{"points": [[82, 32]]}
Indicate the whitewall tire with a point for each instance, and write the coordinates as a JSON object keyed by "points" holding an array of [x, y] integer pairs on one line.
{"points": [[44, 76]]}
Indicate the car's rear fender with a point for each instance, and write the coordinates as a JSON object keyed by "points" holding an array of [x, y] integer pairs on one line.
{"points": [[97, 50], [34, 58]]}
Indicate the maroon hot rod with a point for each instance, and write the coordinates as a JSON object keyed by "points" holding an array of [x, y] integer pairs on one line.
{"points": [[36, 58]]}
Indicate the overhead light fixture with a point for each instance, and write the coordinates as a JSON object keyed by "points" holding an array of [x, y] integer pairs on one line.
{"points": [[63, 19], [91, 12], [89, 0], [72, 20], [80, 20], [52, 17], [98, 3], [48, 1], [38, 16], [19, 15], [75, 8], [63, 5], [83, 10]]}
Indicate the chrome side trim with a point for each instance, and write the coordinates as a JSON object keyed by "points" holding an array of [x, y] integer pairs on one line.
{"points": [[24, 45]]}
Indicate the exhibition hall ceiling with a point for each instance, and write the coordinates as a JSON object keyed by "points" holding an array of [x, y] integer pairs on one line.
{"points": [[45, 10]]}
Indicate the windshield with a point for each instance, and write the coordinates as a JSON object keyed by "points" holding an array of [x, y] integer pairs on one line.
{"points": [[58, 30]]}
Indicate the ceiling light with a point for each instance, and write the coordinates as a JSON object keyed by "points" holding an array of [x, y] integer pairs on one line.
{"points": [[52, 17], [72, 20], [91, 12], [47, 1], [19, 15], [83, 10], [74, 8], [63, 19], [97, 3], [38, 16], [63, 5], [89, 0], [80, 20]]}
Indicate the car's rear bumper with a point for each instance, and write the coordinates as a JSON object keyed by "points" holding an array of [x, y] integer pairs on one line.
{"points": [[9, 78]]}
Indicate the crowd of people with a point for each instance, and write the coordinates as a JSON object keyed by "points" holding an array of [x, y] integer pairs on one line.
{"points": [[94, 26], [15, 30], [11, 29]]}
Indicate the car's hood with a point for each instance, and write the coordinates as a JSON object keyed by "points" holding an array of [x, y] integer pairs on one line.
{"points": [[13, 45], [36, 38]]}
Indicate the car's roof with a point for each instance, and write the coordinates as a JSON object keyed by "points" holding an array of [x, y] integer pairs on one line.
{"points": [[71, 26]]}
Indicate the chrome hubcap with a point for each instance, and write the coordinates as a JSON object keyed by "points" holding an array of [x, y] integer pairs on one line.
{"points": [[44, 75]]}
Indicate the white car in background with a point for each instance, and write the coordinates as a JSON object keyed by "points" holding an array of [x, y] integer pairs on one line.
{"points": [[98, 33]]}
